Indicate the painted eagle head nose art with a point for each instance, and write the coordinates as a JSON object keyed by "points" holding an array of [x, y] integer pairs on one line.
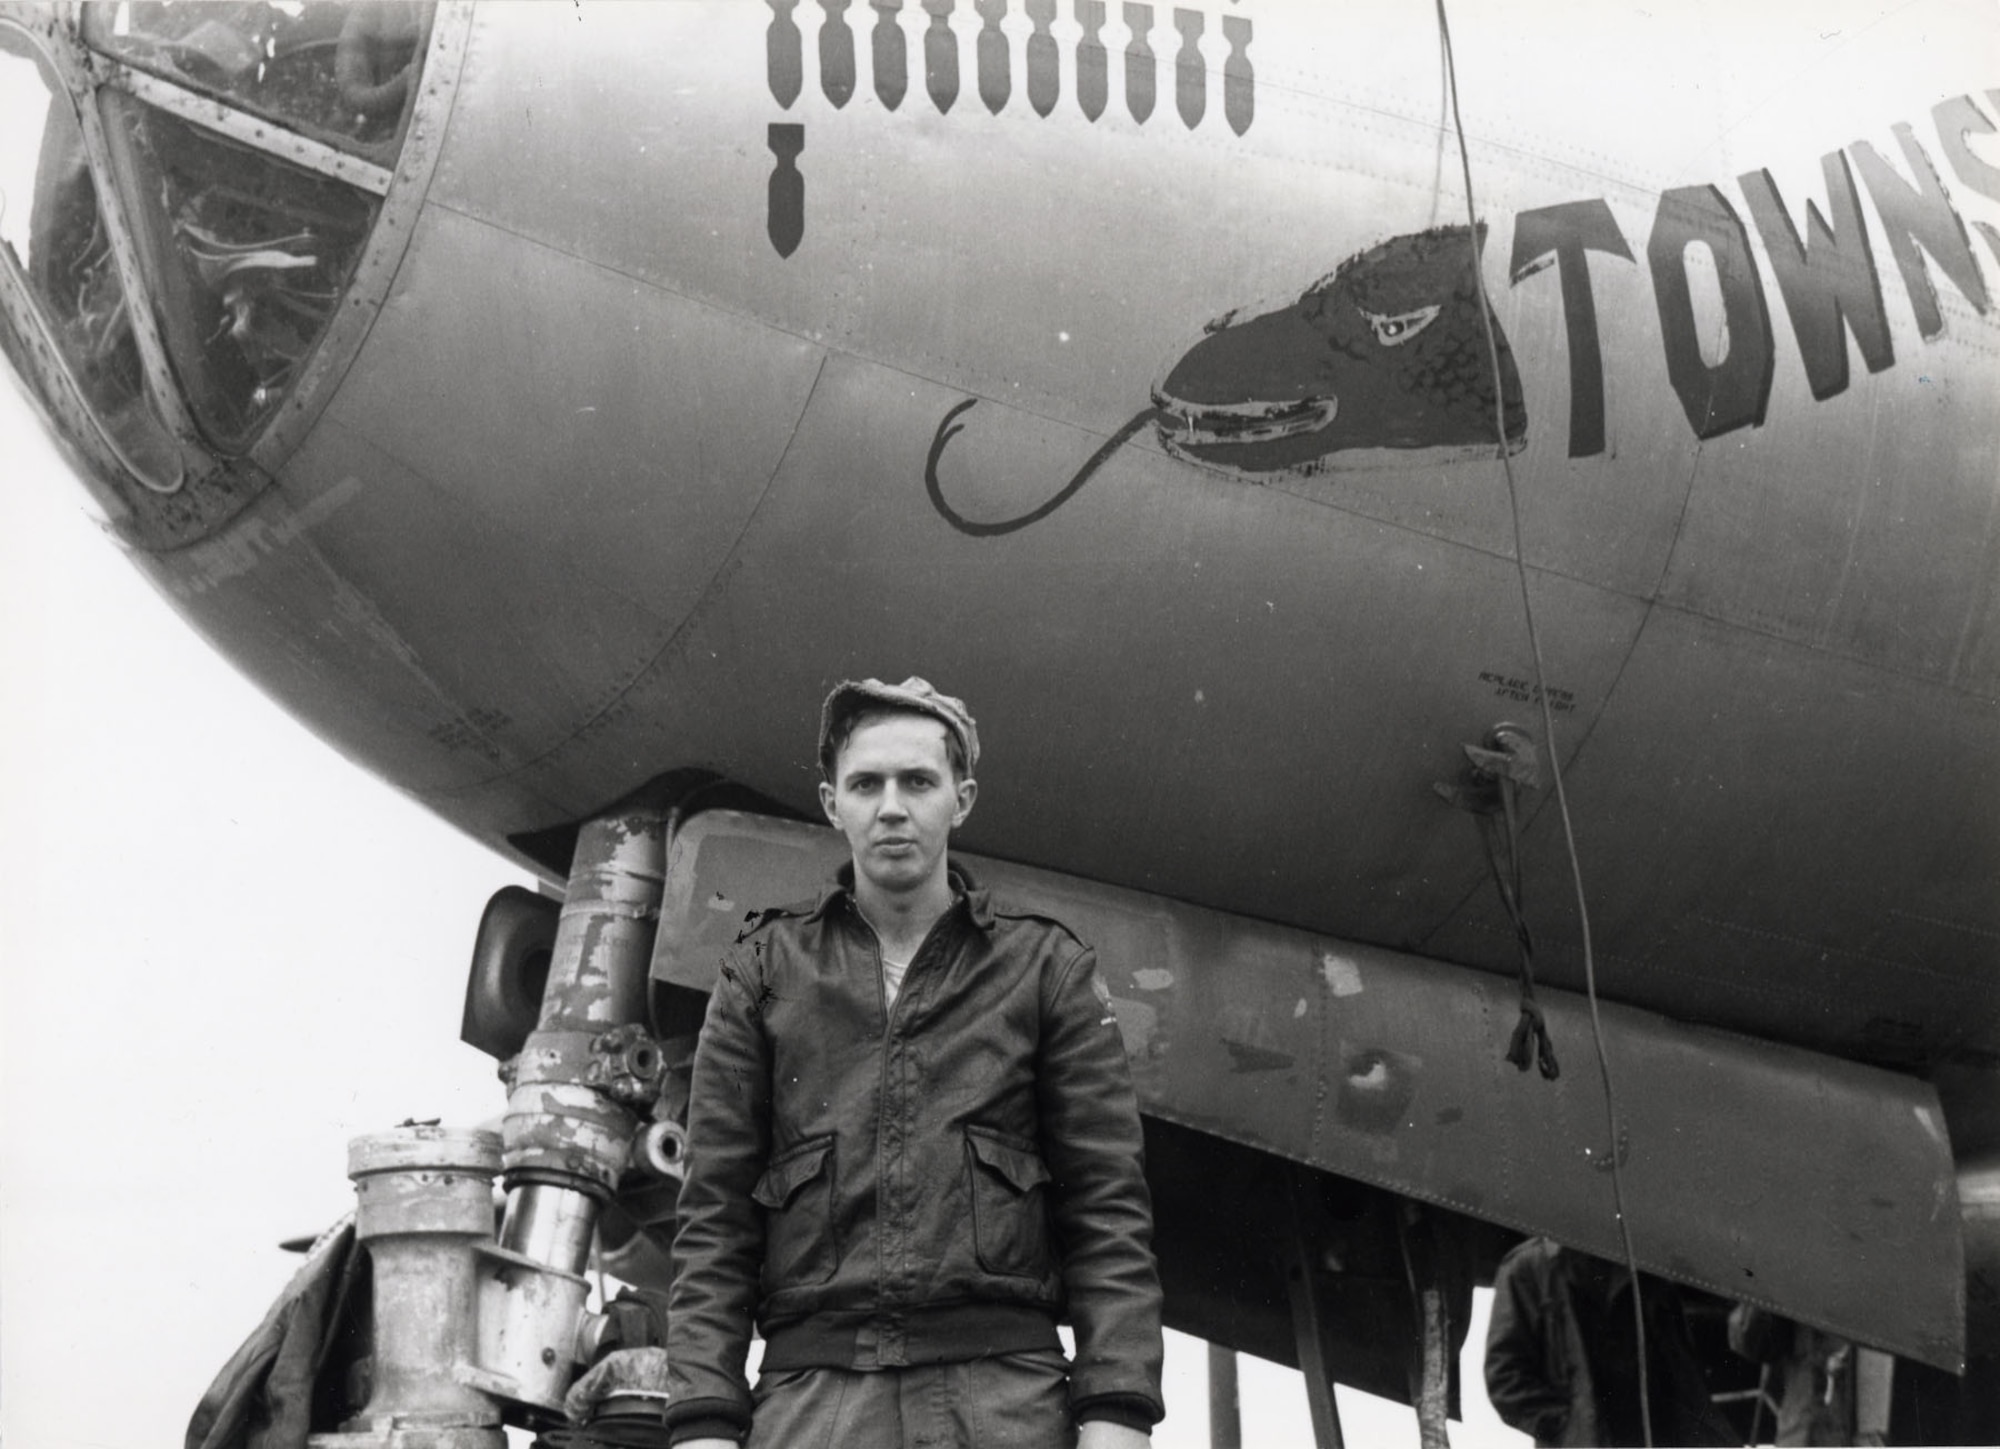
{"points": [[1382, 363]]}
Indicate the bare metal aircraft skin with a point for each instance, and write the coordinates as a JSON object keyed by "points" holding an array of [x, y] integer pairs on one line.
{"points": [[1135, 383]]}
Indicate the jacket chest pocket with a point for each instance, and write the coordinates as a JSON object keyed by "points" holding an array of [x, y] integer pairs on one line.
{"points": [[796, 1193], [1010, 1215]]}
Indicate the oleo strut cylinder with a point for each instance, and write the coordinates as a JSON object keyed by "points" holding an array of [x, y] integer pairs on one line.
{"points": [[424, 1210], [579, 1090]]}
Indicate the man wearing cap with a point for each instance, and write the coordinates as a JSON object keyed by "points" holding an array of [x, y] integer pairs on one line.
{"points": [[913, 1145]]}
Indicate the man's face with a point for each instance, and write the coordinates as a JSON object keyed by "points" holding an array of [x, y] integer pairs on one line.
{"points": [[894, 798]]}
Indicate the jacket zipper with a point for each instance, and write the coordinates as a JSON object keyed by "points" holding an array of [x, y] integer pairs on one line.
{"points": [[891, 1178]]}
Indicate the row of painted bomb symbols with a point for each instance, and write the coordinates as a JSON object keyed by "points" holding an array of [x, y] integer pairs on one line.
{"points": [[993, 52]]}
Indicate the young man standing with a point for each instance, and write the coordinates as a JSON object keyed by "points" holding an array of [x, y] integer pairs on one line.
{"points": [[913, 1145]]}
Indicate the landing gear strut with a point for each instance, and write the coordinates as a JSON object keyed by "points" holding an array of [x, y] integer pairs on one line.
{"points": [[472, 1326]]}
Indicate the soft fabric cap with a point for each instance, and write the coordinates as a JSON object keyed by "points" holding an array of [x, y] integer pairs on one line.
{"points": [[851, 697]]}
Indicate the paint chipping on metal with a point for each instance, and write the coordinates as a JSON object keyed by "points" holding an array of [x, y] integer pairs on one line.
{"points": [[1928, 1121], [1343, 977], [217, 560]]}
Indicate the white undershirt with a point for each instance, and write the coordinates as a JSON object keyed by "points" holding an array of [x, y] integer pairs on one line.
{"points": [[892, 976]]}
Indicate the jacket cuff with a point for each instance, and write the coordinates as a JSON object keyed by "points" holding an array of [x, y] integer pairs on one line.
{"points": [[707, 1419], [1133, 1411]]}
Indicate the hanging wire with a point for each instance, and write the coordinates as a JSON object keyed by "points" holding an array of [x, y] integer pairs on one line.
{"points": [[1549, 731], [1531, 1041]]}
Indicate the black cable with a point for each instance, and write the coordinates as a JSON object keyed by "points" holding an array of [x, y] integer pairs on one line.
{"points": [[1549, 730], [1531, 1041]]}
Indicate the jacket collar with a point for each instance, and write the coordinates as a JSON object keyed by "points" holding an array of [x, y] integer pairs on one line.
{"points": [[978, 904]]}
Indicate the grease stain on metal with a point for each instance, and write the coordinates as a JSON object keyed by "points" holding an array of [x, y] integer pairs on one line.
{"points": [[1244, 1058]]}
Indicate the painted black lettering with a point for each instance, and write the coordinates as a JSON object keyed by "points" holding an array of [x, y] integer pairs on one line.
{"points": [[940, 56], [785, 216], [1139, 79], [1190, 71], [836, 53], [1827, 278], [1734, 392], [890, 54], [1956, 119], [1986, 230], [996, 71], [784, 68], [1919, 218], [1239, 79], [1092, 66], [1570, 231]]}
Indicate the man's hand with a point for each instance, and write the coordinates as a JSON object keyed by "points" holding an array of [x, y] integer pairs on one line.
{"points": [[622, 1371], [1103, 1434]]}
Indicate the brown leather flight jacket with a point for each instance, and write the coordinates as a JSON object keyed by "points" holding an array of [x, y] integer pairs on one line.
{"points": [[927, 1183]]}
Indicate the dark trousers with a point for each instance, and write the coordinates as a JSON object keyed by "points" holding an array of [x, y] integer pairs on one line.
{"points": [[1009, 1401]]}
